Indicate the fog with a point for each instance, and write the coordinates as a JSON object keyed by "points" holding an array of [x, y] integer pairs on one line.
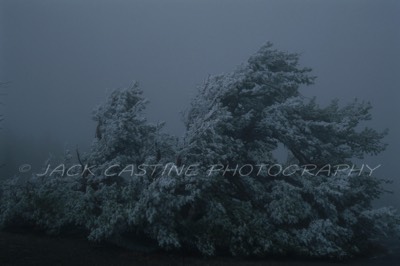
{"points": [[61, 58]]}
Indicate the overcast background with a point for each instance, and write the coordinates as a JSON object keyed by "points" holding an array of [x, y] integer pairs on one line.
{"points": [[62, 56]]}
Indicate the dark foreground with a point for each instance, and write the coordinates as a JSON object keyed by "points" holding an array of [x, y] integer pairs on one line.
{"points": [[34, 249]]}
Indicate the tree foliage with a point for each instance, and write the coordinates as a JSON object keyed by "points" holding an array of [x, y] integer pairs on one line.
{"points": [[236, 118]]}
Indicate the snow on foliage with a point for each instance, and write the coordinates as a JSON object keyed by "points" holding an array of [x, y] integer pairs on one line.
{"points": [[236, 118]]}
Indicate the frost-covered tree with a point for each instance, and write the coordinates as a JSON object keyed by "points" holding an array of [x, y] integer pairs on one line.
{"points": [[87, 197], [236, 119], [123, 139], [240, 118]]}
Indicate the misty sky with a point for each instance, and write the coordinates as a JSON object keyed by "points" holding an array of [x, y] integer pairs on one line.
{"points": [[62, 56]]}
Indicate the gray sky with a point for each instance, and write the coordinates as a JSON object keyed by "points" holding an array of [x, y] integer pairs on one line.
{"points": [[61, 56]]}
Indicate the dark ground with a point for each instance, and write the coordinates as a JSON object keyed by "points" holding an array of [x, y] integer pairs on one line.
{"points": [[37, 249]]}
